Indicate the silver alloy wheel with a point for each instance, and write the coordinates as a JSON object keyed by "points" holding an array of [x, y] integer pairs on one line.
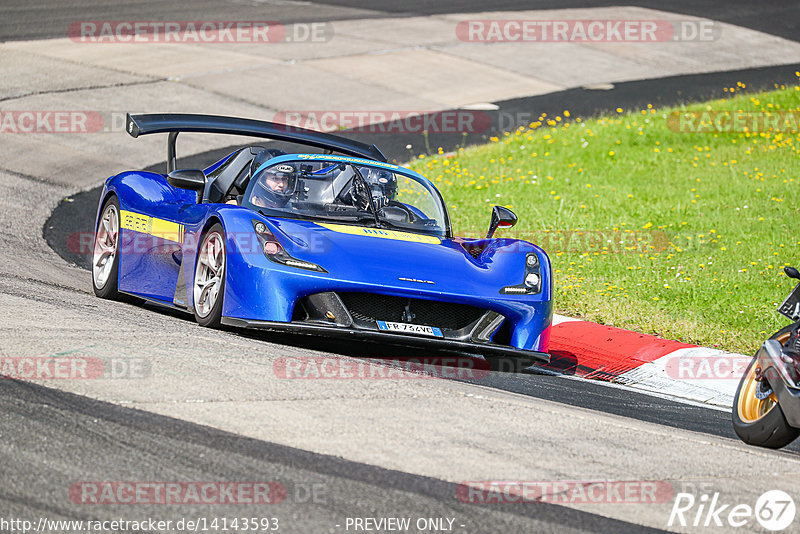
{"points": [[208, 273], [105, 246]]}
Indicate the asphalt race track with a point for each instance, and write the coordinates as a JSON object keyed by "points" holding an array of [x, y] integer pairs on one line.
{"points": [[208, 406], [39, 19], [320, 489]]}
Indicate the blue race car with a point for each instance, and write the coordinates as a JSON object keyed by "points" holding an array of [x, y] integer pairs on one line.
{"points": [[335, 244]]}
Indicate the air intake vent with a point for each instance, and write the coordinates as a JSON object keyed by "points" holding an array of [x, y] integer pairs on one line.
{"points": [[374, 307], [474, 250]]}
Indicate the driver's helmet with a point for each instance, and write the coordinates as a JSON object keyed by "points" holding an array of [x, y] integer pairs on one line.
{"points": [[274, 185], [383, 183]]}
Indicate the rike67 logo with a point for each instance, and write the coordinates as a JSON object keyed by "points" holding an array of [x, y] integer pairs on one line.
{"points": [[774, 510]]}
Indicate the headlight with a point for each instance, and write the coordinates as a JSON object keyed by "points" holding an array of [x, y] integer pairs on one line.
{"points": [[275, 252], [532, 283]]}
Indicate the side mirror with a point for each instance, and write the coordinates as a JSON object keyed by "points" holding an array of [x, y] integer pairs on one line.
{"points": [[501, 218], [192, 179], [791, 272]]}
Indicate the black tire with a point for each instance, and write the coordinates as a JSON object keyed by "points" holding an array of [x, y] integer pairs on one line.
{"points": [[211, 318], [105, 286], [769, 430]]}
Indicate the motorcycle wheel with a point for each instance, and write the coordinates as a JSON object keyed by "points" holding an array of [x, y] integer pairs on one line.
{"points": [[761, 422]]}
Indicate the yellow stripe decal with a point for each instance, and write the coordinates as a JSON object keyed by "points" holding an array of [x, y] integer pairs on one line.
{"points": [[171, 231], [383, 234]]}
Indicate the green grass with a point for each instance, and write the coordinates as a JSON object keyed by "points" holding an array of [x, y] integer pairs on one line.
{"points": [[682, 235]]}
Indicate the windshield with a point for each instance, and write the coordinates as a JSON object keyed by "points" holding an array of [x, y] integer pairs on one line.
{"points": [[348, 192]]}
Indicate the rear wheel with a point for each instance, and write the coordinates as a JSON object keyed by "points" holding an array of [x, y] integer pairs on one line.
{"points": [[209, 278], [105, 256], [757, 421]]}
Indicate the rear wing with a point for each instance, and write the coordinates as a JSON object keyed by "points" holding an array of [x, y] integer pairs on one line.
{"points": [[174, 123]]}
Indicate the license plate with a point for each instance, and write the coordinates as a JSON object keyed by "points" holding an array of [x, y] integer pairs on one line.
{"points": [[406, 328], [791, 306]]}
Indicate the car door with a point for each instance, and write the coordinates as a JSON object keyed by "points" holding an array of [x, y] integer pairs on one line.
{"points": [[152, 235]]}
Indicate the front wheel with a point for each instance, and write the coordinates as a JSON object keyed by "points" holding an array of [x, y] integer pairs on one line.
{"points": [[105, 254], [209, 278], [757, 421]]}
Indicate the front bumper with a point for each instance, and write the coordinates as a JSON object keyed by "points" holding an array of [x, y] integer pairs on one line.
{"points": [[779, 370]]}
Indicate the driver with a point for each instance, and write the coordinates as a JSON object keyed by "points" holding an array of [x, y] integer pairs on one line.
{"points": [[383, 185], [274, 186]]}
